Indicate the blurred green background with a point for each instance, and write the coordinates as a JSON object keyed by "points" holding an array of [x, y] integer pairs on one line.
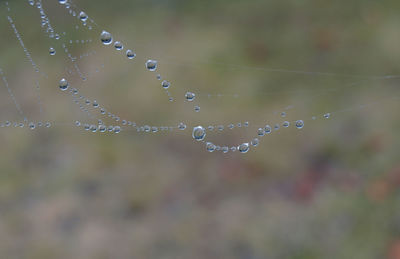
{"points": [[329, 190]]}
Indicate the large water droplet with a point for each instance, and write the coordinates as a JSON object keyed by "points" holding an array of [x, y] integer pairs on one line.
{"points": [[244, 147], [151, 65], [199, 133], [64, 84], [106, 38], [299, 124]]}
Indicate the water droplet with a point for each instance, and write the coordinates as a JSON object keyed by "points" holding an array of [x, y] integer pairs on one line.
{"points": [[267, 129], [82, 16], [106, 38], [130, 54], [102, 128], [77, 123], [286, 124], [225, 149], [210, 128], [327, 115], [165, 84], [182, 126], [220, 127], [31, 2], [210, 147], [246, 124], [93, 128], [276, 127], [197, 108], [261, 132], [199, 133], [283, 114], [32, 125], [63, 84], [231, 126], [118, 45], [62, 1], [117, 129], [299, 124], [52, 51], [151, 65], [158, 77], [255, 142], [244, 147], [189, 96]]}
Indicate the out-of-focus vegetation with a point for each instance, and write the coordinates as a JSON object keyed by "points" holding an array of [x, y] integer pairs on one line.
{"points": [[329, 190]]}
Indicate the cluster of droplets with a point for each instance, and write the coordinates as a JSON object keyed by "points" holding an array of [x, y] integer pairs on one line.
{"points": [[30, 125]]}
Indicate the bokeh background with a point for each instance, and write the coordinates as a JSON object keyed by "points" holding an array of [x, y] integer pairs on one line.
{"points": [[329, 190]]}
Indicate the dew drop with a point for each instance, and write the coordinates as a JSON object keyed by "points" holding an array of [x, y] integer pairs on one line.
{"points": [[244, 147], [286, 124], [106, 38], [63, 84], [52, 51], [267, 129], [32, 125], [62, 1], [261, 132], [165, 84], [102, 128], [182, 126], [210, 147], [151, 65], [327, 115], [189, 96], [199, 133], [255, 142], [225, 149], [130, 54], [299, 124], [118, 45], [117, 129], [83, 16], [197, 108]]}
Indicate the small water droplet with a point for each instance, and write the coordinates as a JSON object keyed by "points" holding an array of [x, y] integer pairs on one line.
{"points": [[327, 115], [210, 147], [82, 16], [255, 142], [286, 124], [52, 51], [182, 126], [130, 54], [197, 108], [189, 96], [165, 84], [118, 45]]}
